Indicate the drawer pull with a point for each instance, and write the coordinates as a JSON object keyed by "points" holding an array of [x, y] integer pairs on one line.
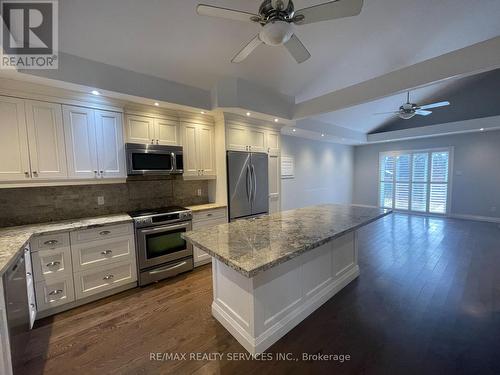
{"points": [[108, 277], [28, 273], [104, 232], [51, 242], [55, 292], [32, 305], [53, 264], [106, 252]]}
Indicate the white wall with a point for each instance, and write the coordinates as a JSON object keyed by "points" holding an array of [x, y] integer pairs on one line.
{"points": [[323, 173], [475, 190]]}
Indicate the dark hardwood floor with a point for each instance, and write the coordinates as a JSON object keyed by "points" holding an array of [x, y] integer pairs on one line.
{"points": [[427, 302]]}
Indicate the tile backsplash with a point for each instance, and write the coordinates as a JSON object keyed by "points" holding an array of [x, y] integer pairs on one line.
{"points": [[42, 204]]}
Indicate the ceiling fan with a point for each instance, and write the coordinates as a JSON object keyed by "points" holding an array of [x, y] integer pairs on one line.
{"points": [[278, 19], [408, 110]]}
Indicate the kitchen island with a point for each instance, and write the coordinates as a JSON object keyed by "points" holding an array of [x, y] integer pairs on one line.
{"points": [[271, 272]]}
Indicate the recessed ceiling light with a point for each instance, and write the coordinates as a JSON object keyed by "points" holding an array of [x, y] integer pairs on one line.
{"points": [[157, 104], [482, 129], [95, 92], [294, 130], [248, 113], [276, 120], [322, 135], [202, 112]]}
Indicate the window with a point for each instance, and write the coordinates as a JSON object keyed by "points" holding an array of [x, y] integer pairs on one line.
{"points": [[415, 180]]}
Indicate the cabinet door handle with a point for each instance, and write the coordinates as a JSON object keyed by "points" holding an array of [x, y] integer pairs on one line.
{"points": [[152, 141], [32, 305], [51, 242], [108, 277], [26, 173], [104, 232], [35, 173], [106, 252], [101, 172], [157, 141], [28, 273], [55, 292], [53, 264]]}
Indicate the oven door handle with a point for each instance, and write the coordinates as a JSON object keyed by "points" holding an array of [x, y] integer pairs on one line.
{"points": [[164, 228], [163, 269]]}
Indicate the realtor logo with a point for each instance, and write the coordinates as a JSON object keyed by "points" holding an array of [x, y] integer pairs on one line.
{"points": [[29, 34]]}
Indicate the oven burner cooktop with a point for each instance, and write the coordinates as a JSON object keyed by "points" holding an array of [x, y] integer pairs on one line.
{"points": [[157, 211]]}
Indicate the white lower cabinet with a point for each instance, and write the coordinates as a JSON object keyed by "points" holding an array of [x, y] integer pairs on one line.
{"points": [[68, 267], [54, 292], [206, 219], [97, 280]]}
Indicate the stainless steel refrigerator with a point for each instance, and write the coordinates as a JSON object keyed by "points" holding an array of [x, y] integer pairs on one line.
{"points": [[247, 180]]}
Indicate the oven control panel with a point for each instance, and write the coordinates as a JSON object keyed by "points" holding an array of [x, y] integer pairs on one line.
{"points": [[152, 220]]}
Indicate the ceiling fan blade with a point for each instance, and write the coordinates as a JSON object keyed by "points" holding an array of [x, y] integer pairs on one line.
{"points": [[247, 50], [328, 11], [297, 49], [237, 15], [386, 113], [422, 112], [434, 105]]}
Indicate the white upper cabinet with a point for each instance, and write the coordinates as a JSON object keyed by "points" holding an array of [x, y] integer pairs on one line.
{"points": [[166, 131], [110, 144], [81, 143], [245, 138], [198, 150], [152, 130], [140, 129], [273, 142], [94, 143], [14, 157], [46, 140]]}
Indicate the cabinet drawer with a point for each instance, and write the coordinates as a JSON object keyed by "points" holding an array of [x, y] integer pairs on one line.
{"points": [[95, 254], [97, 280], [216, 213], [54, 293], [208, 223], [50, 241], [101, 233], [50, 264]]}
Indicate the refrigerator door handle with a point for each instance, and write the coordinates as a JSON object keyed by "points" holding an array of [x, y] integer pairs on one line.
{"points": [[249, 184], [254, 177]]}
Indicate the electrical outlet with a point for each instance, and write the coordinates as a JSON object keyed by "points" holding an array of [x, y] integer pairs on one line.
{"points": [[198, 192], [100, 200]]}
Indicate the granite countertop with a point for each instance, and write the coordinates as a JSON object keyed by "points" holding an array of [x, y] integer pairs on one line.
{"points": [[207, 206], [14, 239], [255, 245]]}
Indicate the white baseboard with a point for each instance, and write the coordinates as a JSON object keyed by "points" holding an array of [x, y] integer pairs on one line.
{"points": [[288, 322], [475, 218]]}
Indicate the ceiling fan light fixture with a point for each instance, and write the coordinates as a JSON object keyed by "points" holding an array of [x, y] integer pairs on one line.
{"points": [[406, 115], [276, 33]]}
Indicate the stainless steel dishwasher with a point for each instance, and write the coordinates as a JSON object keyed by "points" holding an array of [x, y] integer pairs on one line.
{"points": [[17, 309]]}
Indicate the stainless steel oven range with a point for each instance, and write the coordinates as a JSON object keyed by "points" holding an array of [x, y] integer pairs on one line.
{"points": [[161, 251]]}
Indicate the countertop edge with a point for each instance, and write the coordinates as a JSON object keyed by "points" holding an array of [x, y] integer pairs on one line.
{"points": [[206, 207], [286, 257], [72, 226]]}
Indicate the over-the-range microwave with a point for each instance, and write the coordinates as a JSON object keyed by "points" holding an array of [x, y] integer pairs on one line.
{"points": [[149, 159]]}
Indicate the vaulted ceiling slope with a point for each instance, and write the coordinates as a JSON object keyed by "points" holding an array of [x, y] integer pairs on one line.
{"points": [[168, 39]]}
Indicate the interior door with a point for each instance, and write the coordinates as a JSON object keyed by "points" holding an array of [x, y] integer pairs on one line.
{"points": [[81, 146], [46, 140], [260, 189], [14, 156], [239, 187], [110, 145]]}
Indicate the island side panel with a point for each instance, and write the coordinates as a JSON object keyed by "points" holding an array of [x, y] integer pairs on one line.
{"points": [[259, 311]]}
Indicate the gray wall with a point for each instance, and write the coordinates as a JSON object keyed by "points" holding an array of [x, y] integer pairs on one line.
{"points": [[323, 173], [476, 188]]}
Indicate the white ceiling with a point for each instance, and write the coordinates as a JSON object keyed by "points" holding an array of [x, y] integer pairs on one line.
{"points": [[168, 39]]}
